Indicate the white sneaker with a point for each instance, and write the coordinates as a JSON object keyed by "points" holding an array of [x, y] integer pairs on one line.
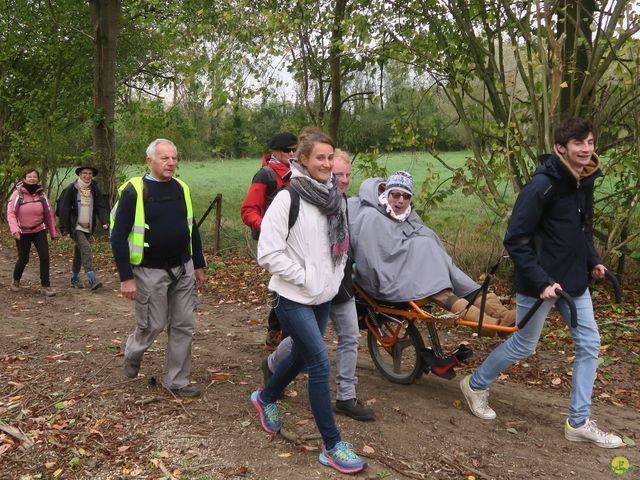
{"points": [[478, 400], [589, 432]]}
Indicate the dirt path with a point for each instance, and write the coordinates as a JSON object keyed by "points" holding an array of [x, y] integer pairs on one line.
{"points": [[61, 383]]}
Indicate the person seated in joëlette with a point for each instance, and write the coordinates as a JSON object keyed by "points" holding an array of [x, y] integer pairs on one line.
{"points": [[399, 259]]}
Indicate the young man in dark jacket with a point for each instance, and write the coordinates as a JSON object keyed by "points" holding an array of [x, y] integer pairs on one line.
{"points": [[273, 176], [82, 207], [549, 240]]}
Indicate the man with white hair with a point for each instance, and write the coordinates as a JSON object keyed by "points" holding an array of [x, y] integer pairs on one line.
{"points": [[158, 252]]}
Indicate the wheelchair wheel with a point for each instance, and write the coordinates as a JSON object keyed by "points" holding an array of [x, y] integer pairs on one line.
{"points": [[399, 361]]}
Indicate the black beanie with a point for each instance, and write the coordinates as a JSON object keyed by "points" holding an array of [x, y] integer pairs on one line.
{"points": [[282, 140]]}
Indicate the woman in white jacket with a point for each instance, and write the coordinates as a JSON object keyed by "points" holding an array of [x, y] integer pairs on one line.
{"points": [[306, 265]]}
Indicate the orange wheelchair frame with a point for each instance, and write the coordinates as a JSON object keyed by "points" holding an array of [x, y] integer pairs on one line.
{"points": [[397, 347]]}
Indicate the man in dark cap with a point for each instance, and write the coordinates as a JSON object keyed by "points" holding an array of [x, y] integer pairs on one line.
{"points": [[267, 182], [81, 207]]}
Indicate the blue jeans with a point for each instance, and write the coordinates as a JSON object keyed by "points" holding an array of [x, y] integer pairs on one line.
{"points": [[345, 323], [523, 343], [306, 324]]}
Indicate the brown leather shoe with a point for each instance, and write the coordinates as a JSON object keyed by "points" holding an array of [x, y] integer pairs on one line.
{"points": [[131, 368]]}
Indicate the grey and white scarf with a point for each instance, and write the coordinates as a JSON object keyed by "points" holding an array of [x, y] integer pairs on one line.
{"points": [[328, 199]]}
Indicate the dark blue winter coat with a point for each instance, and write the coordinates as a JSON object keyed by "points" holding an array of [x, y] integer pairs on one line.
{"points": [[549, 234]]}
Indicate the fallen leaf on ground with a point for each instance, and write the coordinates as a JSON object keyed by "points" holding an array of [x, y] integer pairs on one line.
{"points": [[368, 450]]}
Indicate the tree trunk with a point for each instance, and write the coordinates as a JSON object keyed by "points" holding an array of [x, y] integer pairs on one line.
{"points": [[575, 19], [335, 52], [105, 18]]}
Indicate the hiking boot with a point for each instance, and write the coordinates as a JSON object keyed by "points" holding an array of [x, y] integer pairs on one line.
{"points": [[266, 372], [478, 400], [94, 284], [268, 412], [355, 409], [589, 432], [471, 313], [76, 282], [494, 307], [131, 368], [342, 458], [188, 391], [15, 286], [48, 292]]}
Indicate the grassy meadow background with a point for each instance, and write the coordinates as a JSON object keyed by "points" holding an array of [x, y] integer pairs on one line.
{"points": [[471, 233]]}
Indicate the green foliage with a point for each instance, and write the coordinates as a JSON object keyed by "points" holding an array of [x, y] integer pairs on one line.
{"points": [[46, 82], [144, 120], [368, 165]]}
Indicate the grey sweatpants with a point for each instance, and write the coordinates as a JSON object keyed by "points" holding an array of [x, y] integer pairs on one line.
{"points": [[345, 323], [163, 302]]}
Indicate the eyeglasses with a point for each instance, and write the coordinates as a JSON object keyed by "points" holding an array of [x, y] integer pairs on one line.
{"points": [[397, 195], [288, 149]]}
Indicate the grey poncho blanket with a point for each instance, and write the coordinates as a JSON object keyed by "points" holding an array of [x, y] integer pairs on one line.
{"points": [[399, 261]]}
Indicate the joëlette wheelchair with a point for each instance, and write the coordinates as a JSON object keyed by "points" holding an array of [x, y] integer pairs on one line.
{"points": [[397, 348]]}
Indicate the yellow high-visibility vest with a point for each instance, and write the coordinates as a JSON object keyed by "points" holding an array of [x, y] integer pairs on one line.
{"points": [[136, 236]]}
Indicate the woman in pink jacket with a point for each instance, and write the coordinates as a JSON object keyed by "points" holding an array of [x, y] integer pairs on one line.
{"points": [[30, 216]]}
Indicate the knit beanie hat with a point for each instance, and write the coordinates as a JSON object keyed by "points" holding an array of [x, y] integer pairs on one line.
{"points": [[400, 180]]}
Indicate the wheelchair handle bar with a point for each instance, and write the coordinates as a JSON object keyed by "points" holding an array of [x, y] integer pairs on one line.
{"points": [[615, 284], [561, 294]]}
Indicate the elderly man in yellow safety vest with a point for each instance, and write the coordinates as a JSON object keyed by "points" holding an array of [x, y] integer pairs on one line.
{"points": [[158, 253]]}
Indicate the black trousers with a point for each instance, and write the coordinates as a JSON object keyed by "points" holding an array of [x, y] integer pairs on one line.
{"points": [[39, 239], [273, 322]]}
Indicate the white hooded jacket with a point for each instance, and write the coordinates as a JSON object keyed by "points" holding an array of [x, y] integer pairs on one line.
{"points": [[301, 265]]}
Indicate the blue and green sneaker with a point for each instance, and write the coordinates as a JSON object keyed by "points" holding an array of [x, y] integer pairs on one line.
{"points": [[269, 417], [342, 458]]}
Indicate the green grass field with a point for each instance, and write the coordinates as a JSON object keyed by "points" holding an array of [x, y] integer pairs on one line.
{"points": [[471, 233], [463, 223]]}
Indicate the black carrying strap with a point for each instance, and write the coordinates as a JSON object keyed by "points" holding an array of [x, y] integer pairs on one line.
{"points": [[484, 289], [294, 208]]}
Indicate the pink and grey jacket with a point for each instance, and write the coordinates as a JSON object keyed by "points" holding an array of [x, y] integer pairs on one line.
{"points": [[32, 214]]}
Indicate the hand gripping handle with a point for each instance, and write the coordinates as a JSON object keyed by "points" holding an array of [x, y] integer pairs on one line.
{"points": [[561, 294]]}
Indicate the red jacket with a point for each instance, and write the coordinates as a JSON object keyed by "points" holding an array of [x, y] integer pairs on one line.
{"points": [[262, 191], [32, 215]]}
